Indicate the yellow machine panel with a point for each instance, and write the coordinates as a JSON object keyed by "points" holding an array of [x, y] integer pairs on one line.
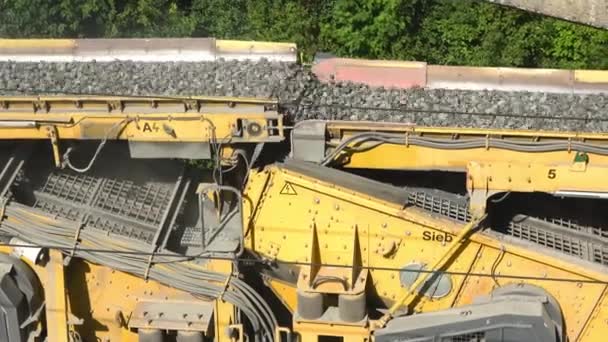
{"points": [[172, 219], [327, 213]]}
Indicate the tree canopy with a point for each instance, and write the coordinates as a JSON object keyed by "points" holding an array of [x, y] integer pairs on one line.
{"points": [[464, 32]]}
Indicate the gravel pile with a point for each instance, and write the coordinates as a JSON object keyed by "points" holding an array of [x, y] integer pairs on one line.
{"points": [[306, 98]]}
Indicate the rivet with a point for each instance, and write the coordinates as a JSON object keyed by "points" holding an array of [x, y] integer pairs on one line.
{"points": [[337, 207], [384, 225], [317, 201], [185, 315]]}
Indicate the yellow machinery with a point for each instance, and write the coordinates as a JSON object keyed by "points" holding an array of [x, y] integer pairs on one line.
{"points": [[108, 234]]}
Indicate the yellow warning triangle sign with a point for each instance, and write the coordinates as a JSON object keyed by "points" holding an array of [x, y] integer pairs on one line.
{"points": [[288, 189]]}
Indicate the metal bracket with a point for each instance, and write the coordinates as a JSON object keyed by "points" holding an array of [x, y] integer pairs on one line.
{"points": [[279, 330], [203, 190], [68, 258], [579, 164], [240, 330], [172, 315], [52, 134], [336, 280], [3, 203]]}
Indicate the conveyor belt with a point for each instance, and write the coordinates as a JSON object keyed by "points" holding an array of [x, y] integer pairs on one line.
{"points": [[304, 97]]}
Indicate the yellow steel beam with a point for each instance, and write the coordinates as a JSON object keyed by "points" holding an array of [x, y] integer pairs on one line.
{"points": [[225, 315], [56, 300], [591, 76], [402, 157], [139, 119], [340, 129], [24, 44]]}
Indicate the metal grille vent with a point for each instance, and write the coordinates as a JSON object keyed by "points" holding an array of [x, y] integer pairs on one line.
{"points": [[546, 238], [600, 255], [130, 200], [441, 203], [558, 235], [144, 203], [563, 235], [479, 336], [70, 187]]}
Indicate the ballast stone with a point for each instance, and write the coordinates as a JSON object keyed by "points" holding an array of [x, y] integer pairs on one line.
{"points": [[304, 97]]}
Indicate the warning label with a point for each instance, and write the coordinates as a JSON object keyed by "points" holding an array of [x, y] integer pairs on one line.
{"points": [[288, 189]]}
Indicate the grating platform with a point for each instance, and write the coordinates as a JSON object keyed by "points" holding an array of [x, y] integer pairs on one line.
{"points": [[119, 195], [559, 234]]}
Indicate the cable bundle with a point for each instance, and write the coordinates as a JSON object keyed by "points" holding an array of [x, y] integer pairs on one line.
{"points": [[34, 227]]}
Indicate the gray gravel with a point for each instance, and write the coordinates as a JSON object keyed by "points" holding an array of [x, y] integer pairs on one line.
{"points": [[307, 98]]}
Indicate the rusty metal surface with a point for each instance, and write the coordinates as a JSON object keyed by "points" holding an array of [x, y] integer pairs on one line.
{"points": [[404, 75], [377, 73]]}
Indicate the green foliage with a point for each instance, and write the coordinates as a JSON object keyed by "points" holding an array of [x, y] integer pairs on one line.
{"points": [[220, 18], [480, 33], [465, 32], [372, 28], [149, 18], [572, 46]]}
